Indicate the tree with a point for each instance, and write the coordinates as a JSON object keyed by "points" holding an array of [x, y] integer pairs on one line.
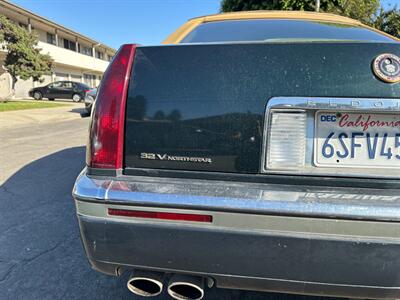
{"points": [[369, 12], [325, 5], [23, 59], [389, 21], [240, 5], [362, 10]]}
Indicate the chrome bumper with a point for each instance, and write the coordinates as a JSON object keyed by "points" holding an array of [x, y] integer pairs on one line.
{"points": [[338, 242], [341, 203]]}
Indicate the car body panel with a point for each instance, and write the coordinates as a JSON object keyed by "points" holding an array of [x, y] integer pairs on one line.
{"points": [[256, 235], [89, 99], [218, 113]]}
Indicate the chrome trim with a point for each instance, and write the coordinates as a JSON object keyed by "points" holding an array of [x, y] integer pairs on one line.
{"points": [[212, 195], [313, 104]]}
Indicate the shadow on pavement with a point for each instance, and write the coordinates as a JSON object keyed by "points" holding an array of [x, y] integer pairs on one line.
{"points": [[41, 256], [82, 111]]}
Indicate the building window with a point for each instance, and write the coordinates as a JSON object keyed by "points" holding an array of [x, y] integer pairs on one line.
{"points": [[99, 55], [110, 57], [61, 76], [51, 38], [87, 51], [69, 45], [76, 78], [89, 79]]}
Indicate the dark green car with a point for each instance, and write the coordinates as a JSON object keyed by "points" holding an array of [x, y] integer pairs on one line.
{"points": [[254, 151]]}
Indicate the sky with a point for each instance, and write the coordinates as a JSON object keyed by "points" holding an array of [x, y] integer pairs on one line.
{"points": [[116, 22], [390, 3]]}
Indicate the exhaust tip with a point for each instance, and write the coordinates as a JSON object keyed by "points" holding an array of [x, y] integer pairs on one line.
{"points": [[186, 287], [145, 284]]}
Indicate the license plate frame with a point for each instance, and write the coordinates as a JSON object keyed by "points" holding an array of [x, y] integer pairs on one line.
{"points": [[359, 157]]}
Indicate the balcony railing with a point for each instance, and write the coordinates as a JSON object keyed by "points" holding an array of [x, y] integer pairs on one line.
{"points": [[74, 59]]}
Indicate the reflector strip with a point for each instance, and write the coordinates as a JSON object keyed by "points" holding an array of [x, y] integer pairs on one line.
{"points": [[160, 215]]}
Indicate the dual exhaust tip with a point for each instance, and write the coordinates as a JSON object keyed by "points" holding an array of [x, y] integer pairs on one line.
{"points": [[145, 283], [180, 287]]}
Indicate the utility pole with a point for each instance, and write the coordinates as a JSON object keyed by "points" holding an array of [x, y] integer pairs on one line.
{"points": [[317, 4]]}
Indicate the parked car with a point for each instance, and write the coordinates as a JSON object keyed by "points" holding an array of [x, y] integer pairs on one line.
{"points": [[62, 90], [89, 99], [256, 150]]}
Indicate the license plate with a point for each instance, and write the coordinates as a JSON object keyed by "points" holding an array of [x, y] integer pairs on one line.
{"points": [[359, 140]]}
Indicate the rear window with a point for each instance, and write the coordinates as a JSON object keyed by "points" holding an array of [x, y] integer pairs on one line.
{"points": [[279, 30]]}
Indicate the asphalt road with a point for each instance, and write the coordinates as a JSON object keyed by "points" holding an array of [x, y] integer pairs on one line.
{"points": [[41, 256]]}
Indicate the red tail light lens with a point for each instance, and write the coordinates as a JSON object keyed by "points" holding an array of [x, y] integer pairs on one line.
{"points": [[160, 215], [105, 147]]}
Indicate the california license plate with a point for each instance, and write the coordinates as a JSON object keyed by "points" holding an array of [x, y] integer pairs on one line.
{"points": [[359, 140]]}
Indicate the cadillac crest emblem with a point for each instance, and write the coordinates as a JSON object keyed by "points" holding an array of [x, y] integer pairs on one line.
{"points": [[387, 67]]}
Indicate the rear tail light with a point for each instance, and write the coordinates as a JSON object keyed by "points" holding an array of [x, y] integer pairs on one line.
{"points": [[287, 140], [105, 147]]}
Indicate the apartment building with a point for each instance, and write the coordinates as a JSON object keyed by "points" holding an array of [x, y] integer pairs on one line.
{"points": [[76, 57]]}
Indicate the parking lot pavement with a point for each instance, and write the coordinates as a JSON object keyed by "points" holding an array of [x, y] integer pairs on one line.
{"points": [[17, 118], [27, 135], [41, 256]]}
